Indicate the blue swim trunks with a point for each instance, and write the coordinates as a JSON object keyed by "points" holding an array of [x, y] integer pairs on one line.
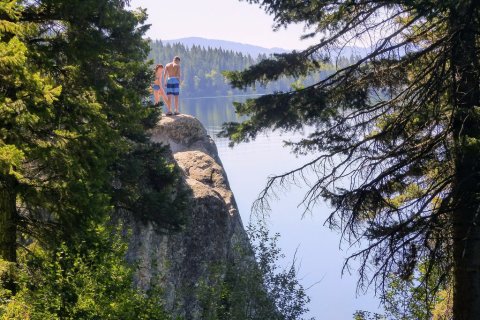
{"points": [[156, 87], [173, 86]]}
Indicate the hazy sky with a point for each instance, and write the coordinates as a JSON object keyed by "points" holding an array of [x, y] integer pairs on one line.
{"points": [[217, 19]]}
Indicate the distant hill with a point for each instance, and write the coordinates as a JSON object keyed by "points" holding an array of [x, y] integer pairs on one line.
{"points": [[252, 50], [247, 49]]}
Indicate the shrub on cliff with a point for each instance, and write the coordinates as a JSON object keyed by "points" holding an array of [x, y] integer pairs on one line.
{"points": [[257, 290], [86, 280]]}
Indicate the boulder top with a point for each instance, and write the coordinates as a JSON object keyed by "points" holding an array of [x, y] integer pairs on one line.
{"points": [[181, 130]]}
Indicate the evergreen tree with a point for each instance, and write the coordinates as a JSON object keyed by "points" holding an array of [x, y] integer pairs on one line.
{"points": [[73, 76], [27, 97], [396, 133]]}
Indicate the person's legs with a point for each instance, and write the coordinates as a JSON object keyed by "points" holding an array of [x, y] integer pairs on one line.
{"points": [[156, 96], [176, 103], [166, 100], [176, 92], [172, 90], [169, 103]]}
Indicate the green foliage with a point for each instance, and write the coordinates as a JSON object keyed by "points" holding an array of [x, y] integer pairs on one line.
{"points": [[215, 297], [394, 135], [413, 299], [72, 79], [365, 315], [257, 289], [282, 285], [88, 280], [150, 187]]}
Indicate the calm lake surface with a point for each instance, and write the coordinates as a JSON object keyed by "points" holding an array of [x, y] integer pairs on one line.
{"points": [[319, 255]]}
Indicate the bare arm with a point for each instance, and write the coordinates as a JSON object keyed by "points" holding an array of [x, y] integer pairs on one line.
{"points": [[164, 76]]}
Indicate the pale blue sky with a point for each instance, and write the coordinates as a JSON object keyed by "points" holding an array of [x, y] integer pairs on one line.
{"points": [[231, 20]]}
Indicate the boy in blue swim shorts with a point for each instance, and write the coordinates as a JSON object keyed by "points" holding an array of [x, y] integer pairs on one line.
{"points": [[172, 82]]}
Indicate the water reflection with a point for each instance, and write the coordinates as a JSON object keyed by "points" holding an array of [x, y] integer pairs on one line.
{"points": [[211, 111]]}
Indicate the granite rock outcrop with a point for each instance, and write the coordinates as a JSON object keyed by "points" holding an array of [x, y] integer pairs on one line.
{"points": [[180, 263]]}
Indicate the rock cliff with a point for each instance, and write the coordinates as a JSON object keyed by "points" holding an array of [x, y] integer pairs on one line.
{"points": [[182, 263]]}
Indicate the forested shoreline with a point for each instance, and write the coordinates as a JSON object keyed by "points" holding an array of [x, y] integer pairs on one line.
{"points": [[203, 70]]}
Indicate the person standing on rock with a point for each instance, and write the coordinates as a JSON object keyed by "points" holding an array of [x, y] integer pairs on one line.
{"points": [[172, 82], [158, 88]]}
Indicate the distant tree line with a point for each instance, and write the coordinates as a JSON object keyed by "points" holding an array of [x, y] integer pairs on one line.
{"points": [[202, 69]]}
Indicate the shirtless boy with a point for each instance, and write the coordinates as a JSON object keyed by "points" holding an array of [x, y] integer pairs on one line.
{"points": [[172, 82]]}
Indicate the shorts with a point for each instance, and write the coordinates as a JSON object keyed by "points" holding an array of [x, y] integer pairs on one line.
{"points": [[156, 87], [173, 86]]}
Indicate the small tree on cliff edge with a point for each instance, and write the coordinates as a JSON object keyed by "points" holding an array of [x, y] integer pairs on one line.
{"points": [[396, 133]]}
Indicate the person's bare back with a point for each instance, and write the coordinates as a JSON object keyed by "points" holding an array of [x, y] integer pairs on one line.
{"points": [[172, 70]]}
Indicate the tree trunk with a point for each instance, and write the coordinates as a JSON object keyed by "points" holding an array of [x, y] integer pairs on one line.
{"points": [[8, 220], [8, 227], [466, 189]]}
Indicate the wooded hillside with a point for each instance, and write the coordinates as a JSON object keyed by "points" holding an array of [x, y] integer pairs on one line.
{"points": [[202, 69]]}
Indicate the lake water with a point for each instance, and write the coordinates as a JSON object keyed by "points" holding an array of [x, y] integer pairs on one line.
{"points": [[319, 256]]}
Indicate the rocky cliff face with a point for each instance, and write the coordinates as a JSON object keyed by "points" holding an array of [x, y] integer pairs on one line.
{"points": [[183, 263]]}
